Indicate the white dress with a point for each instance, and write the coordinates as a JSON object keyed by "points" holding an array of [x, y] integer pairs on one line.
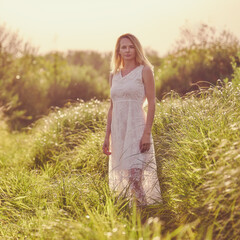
{"points": [[131, 173]]}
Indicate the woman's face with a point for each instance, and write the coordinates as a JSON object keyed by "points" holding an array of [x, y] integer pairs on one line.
{"points": [[127, 49]]}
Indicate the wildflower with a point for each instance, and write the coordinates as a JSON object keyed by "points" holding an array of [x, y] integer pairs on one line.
{"points": [[108, 234]]}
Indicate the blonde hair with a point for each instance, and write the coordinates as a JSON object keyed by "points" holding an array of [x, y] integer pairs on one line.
{"points": [[117, 61]]}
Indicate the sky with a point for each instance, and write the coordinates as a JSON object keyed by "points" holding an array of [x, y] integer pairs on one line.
{"points": [[62, 25]]}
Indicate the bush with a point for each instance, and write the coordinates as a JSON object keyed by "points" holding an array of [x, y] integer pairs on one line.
{"points": [[204, 56], [64, 130], [31, 84], [99, 62], [12, 47]]}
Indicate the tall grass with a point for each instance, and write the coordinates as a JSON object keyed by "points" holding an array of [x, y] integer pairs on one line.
{"points": [[54, 182], [63, 130], [197, 142]]}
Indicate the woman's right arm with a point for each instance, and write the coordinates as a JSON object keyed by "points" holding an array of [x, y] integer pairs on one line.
{"points": [[108, 128]]}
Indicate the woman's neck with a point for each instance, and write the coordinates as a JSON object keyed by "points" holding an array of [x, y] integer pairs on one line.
{"points": [[129, 65]]}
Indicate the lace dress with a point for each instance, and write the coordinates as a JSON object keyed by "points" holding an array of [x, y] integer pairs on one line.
{"points": [[131, 173]]}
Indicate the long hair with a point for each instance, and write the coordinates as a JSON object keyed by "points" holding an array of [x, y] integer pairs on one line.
{"points": [[117, 61]]}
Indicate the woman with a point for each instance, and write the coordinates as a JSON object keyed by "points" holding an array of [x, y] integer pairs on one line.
{"points": [[132, 165]]}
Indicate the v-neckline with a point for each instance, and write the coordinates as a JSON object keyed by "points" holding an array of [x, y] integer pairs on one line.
{"points": [[128, 73]]}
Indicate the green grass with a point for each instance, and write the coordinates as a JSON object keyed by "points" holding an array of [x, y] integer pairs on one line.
{"points": [[54, 182], [197, 145]]}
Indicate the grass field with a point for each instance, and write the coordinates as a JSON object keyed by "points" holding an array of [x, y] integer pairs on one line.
{"points": [[54, 176]]}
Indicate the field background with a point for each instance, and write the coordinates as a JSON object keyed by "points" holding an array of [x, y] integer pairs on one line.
{"points": [[53, 175]]}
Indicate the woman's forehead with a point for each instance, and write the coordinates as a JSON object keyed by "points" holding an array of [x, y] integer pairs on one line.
{"points": [[125, 41]]}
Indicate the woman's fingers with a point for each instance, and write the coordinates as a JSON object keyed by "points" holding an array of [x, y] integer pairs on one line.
{"points": [[144, 147], [106, 150]]}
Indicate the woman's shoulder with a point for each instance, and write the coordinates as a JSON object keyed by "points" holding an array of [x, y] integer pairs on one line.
{"points": [[147, 70], [113, 76]]}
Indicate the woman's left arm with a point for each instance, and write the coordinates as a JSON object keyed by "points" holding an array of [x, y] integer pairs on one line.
{"points": [[149, 85]]}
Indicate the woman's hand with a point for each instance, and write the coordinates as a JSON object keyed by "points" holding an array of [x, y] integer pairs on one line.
{"points": [[105, 147], [145, 143]]}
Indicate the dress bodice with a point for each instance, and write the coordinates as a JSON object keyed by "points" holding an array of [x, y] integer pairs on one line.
{"points": [[128, 87]]}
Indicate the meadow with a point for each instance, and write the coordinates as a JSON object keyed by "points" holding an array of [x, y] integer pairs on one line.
{"points": [[54, 175]]}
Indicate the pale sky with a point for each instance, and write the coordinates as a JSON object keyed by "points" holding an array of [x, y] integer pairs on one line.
{"points": [[95, 24]]}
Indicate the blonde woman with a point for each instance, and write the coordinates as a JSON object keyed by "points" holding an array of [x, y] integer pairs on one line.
{"points": [[132, 165]]}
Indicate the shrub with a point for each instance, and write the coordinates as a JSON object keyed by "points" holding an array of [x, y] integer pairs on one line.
{"points": [[63, 130], [204, 56], [31, 84]]}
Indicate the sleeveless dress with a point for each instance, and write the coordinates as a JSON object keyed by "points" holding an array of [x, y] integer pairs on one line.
{"points": [[132, 174]]}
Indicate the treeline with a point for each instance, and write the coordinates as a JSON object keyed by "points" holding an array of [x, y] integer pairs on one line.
{"points": [[198, 60], [31, 84]]}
